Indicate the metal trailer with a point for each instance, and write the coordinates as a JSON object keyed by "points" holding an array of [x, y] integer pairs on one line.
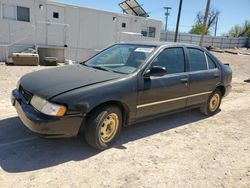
{"points": [[67, 31]]}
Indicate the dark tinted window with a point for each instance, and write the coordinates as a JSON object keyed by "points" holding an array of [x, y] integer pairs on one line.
{"points": [[148, 32], [172, 59], [211, 63], [151, 32], [144, 33], [55, 15], [123, 25], [197, 60], [23, 14]]}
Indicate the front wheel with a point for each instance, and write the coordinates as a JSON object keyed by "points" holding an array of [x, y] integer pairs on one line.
{"points": [[212, 105], [103, 126]]}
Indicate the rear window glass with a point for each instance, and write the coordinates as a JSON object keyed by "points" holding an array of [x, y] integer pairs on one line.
{"points": [[211, 63]]}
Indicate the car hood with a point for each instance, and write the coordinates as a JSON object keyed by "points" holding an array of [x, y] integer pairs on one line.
{"points": [[54, 81]]}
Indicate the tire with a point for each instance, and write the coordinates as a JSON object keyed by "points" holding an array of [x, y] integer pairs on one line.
{"points": [[103, 126], [212, 105]]}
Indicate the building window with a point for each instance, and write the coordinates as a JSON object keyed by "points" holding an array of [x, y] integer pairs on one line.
{"points": [[144, 31], [151, 32], [123, 25], [55, 15], [11, 12], [148, 32], [23, 14]]}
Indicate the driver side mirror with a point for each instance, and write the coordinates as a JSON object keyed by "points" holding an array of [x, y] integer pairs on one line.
{"points": [[155, 71]]}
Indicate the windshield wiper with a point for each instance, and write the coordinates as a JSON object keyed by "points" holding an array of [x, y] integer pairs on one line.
{"points": [[83, 63], [100, 68]]}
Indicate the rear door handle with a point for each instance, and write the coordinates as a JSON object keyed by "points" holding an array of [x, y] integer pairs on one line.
{"points": [[184, 80]]}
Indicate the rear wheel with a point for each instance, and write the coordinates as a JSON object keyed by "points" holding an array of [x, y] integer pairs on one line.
{"points": [[212, 105], [103, 126]]}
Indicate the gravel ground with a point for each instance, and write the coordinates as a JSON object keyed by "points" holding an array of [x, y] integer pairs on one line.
{"points": [[181, 150]]}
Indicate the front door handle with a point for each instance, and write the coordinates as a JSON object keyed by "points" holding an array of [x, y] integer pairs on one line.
{"points": [[184, 80], [216, 75]]}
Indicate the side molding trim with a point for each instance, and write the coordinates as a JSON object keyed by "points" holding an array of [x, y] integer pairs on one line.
{"points": [[171, 100]]}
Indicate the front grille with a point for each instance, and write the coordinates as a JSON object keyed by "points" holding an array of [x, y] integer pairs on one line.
{"points": [[26, 95]]}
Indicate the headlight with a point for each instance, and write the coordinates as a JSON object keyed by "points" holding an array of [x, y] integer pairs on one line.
{"points": [[47, 107]]}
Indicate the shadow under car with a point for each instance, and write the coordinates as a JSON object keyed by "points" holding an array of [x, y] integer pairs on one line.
{"points": [[21, 150]]}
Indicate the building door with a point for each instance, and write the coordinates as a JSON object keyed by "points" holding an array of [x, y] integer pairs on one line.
{"points": [[55, 25]]}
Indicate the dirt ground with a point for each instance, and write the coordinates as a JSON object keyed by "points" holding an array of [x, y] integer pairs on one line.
{"points": [[181, 150]]}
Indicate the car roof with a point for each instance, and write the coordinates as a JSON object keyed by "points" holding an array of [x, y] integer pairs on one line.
{"points": [[162, 43]]}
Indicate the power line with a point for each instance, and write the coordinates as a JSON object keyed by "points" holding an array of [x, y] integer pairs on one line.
{"points": [[155, 10]]}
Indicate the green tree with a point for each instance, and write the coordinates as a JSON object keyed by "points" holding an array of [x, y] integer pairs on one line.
{"points": [[235, 31], [246, 29], [240, 31], [197, 29]]}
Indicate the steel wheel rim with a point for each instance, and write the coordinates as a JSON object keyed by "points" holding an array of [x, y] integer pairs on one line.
{"points": [[214, 102], [109, 127]]}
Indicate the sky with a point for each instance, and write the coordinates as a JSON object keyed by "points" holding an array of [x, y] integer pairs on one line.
{"points": [[231, 11]]}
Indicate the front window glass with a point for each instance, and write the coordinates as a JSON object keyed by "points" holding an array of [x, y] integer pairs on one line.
{"points": [[172, 59], [121, 58]]}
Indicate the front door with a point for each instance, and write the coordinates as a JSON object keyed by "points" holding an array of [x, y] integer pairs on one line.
{"points": [[166, 93], [55, 25]]}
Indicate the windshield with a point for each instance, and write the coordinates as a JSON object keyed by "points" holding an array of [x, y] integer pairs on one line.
{"points": [[121, 58]]}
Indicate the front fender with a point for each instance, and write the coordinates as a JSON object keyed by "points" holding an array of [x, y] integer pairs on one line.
{"points": [[85, 99]]}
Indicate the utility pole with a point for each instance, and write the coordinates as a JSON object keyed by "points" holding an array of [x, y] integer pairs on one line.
{"points": [[216, 22], [205, 22], [167, 14], [178, 21]]}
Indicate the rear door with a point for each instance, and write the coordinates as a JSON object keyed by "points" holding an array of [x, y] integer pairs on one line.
{"points": [[166, 93], [204, 75]]}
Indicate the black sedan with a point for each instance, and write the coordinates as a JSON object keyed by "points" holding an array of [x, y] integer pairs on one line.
{"points": [[121, 85]]}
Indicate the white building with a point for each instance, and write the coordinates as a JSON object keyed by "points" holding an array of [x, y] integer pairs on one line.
{"points": [[66, 31]]}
